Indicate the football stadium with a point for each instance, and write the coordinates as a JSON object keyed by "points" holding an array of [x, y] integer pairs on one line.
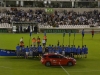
{"points": [[49, 37]]}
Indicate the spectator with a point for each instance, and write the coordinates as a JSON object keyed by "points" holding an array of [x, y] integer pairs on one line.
{"points": [[54, 19]]}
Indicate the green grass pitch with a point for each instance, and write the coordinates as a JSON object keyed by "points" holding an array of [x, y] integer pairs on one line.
{"points": [[16, 66]]}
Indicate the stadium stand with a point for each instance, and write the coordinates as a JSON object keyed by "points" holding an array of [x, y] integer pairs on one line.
{"points": [[60, 19]]}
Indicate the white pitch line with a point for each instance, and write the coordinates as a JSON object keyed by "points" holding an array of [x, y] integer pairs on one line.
{"points": [[64, 69], [5, 67]]}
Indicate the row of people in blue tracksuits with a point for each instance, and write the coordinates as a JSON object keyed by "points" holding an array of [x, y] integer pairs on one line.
{"points": [[28, 50], [53, 49], [68, 49]]}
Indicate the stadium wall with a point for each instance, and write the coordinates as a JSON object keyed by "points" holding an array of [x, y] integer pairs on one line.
{"points": [[67, 30], [81, 10]]}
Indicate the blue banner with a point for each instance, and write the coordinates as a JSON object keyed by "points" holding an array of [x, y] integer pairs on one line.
{"points": [[4, 52]]}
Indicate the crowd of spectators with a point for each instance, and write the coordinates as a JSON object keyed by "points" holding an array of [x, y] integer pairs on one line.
{"points": [[54, 19]]}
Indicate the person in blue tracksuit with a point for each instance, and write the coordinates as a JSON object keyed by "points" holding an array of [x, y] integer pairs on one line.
{"points": [[66, 50], [34, 51], [18, 50], [78, 51], [83, 33], [82, 51], [52, 49], [60, 49], [85, 51], [23, 51], [69, 50], [74, 50], [49, 49], [57, 51], [27, 52], [40, 51], [31, 50], [63, 50]]}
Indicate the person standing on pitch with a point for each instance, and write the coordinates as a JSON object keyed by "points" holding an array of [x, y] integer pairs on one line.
{"points": [[18, 50], [23, 51], [21, 43], [33, 41], [38, 41], [45, 38], [63, 50], [82, 52], [52, 51], [85, 51], [21, 40], [72, 52], [58, 43], [92, 33], [49, 49], [40, 51], [27, 52], [78, 52], [43, 42], [60, 49], [83, 33], [31, 50], [34, 51]]}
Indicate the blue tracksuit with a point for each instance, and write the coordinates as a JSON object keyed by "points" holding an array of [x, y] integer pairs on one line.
{"points": [[74, 49], [82, 50], [17, 48], [60, 50], [27, 49], [85, 50], [78, 50], [69, 50], [23, 49], [39, 49], [66, 49], [50, 49]]}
